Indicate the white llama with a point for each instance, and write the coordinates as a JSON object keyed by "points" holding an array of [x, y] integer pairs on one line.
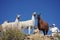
{"points": [[28, 23], [6, 25]]}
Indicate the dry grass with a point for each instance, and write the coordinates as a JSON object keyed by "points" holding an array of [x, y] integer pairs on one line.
{"points": [[13, 35]]}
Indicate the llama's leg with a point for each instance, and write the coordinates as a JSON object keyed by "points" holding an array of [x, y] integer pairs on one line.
{"points": [[44, 32], [29, 30]]}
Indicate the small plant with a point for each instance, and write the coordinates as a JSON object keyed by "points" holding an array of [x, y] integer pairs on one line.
{"points": [[13, 34], [58, 36]]}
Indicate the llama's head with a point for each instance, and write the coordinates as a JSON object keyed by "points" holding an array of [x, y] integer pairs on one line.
{"points": [[34, 14], [6, 21], [18, 17], [39, 16]]}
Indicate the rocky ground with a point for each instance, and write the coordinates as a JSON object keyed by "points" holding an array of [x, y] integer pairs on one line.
{"points": [[38, 36], [41, 37]]}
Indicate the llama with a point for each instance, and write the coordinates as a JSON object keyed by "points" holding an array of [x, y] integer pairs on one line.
{"points": [[28, 23], [6, 25]]}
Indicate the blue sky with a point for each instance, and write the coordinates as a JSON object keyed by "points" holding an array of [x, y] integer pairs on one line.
{"points": [[50, 10]]}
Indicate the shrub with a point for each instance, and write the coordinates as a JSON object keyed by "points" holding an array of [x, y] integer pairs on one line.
{"points": [[13, 34], [58, 36]]}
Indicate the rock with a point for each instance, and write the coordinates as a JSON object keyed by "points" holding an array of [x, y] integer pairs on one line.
{"points": [[38, 37]]}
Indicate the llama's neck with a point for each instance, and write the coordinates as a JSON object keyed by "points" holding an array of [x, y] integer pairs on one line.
{"points": [[33, 18], [16, 20], [38, 21], [38, 24]]}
